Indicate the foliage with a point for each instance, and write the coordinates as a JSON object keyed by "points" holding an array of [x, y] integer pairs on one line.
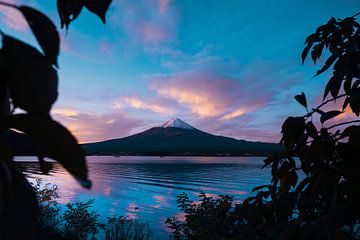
{"points": [[121, 228], [29, 81], [49, 218], [325, 204], [208, 219], [80, 222]]}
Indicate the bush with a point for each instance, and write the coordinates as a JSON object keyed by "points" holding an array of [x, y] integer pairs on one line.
{"points": [[208, 219], [79, 221], [325, 204], [49, 217], [121, 228]]}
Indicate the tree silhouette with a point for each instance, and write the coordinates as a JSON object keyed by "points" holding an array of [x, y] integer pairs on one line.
{"points": [[325, 204], [29, 81]]}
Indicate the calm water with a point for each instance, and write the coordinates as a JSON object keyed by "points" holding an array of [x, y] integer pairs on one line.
{"points": [[145, 188]]}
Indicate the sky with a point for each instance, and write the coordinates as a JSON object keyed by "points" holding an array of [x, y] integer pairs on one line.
{"points": [[226, 67]]}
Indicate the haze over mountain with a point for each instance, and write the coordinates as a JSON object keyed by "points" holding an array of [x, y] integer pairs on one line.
{"points": [[176, 137]]}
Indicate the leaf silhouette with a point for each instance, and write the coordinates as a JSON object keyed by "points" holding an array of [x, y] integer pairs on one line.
{"points": [[328, 115], [301, 98], [32, 79], [327, 64], [346, 103], [355, 101], [311, 130], [44, 31], [4, 97], [56, 142], [99, 7], [292, 129], [259, 188], [20, 206], [68, 11], [305, 52]]}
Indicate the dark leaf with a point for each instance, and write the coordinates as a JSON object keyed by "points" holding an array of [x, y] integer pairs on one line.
{"points": [[349, 130], [355, 101], [335, 87], [328, 115], [270, 159], [316, 52], [354, 138], [301, 98], [302, 184], [311, 38], [248, 200], [56, 141], [259, 188], [347, 85], [319, 111], [99, 7], [44, 31], [293, 129], [305, 52], [328, 87], [19, 203], [292, 162], [327, 64], [311, 130], [68, 11], [4, 97], [346, 103], [292, 178], [31, 78], [356, 84]]}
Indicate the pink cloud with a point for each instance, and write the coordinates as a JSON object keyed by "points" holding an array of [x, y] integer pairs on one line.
{"points": [[152, 33], [132, 210], [106, 47], [209, 95], [12, 17], [90, 126], [163, 6], [150, 23], [159, 198], [136, 102], [78, 44]]}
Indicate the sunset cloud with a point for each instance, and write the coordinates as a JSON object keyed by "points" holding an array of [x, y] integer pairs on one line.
{"points": [[197, 102], [163, 6], [234, 114], [148, 22], [12, 17], [90, 126], [136, 102], [207, 95]]}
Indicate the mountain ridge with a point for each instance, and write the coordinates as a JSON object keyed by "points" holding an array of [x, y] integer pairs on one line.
{"points": [[176, 137]]}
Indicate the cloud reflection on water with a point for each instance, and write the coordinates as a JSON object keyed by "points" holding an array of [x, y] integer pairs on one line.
{"points": [[145, 188]]}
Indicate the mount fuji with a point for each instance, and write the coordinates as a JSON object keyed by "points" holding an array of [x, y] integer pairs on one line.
{"points": [[176, 137]]}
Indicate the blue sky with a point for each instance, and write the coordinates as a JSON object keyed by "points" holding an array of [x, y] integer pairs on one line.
{"points": [[226, 67]]}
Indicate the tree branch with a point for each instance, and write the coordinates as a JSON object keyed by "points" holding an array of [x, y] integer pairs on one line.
{"points": [[322, 104], [355, 15], [343, 123]]}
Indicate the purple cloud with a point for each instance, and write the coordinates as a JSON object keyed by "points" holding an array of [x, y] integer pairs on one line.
{"points": [[90, 127], [150, 23]]}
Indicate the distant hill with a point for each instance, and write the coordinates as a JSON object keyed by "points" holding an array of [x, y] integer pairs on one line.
{"points": [[176, 137]]}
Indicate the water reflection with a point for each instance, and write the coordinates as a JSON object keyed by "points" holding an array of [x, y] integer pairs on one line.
{"points": [[146, 187]]}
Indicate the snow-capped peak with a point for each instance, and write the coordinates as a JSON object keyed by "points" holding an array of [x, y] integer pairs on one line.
{"points": [[176, 123]]}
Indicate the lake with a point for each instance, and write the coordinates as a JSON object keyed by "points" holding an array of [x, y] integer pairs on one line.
{"points": [[145, 188]]}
